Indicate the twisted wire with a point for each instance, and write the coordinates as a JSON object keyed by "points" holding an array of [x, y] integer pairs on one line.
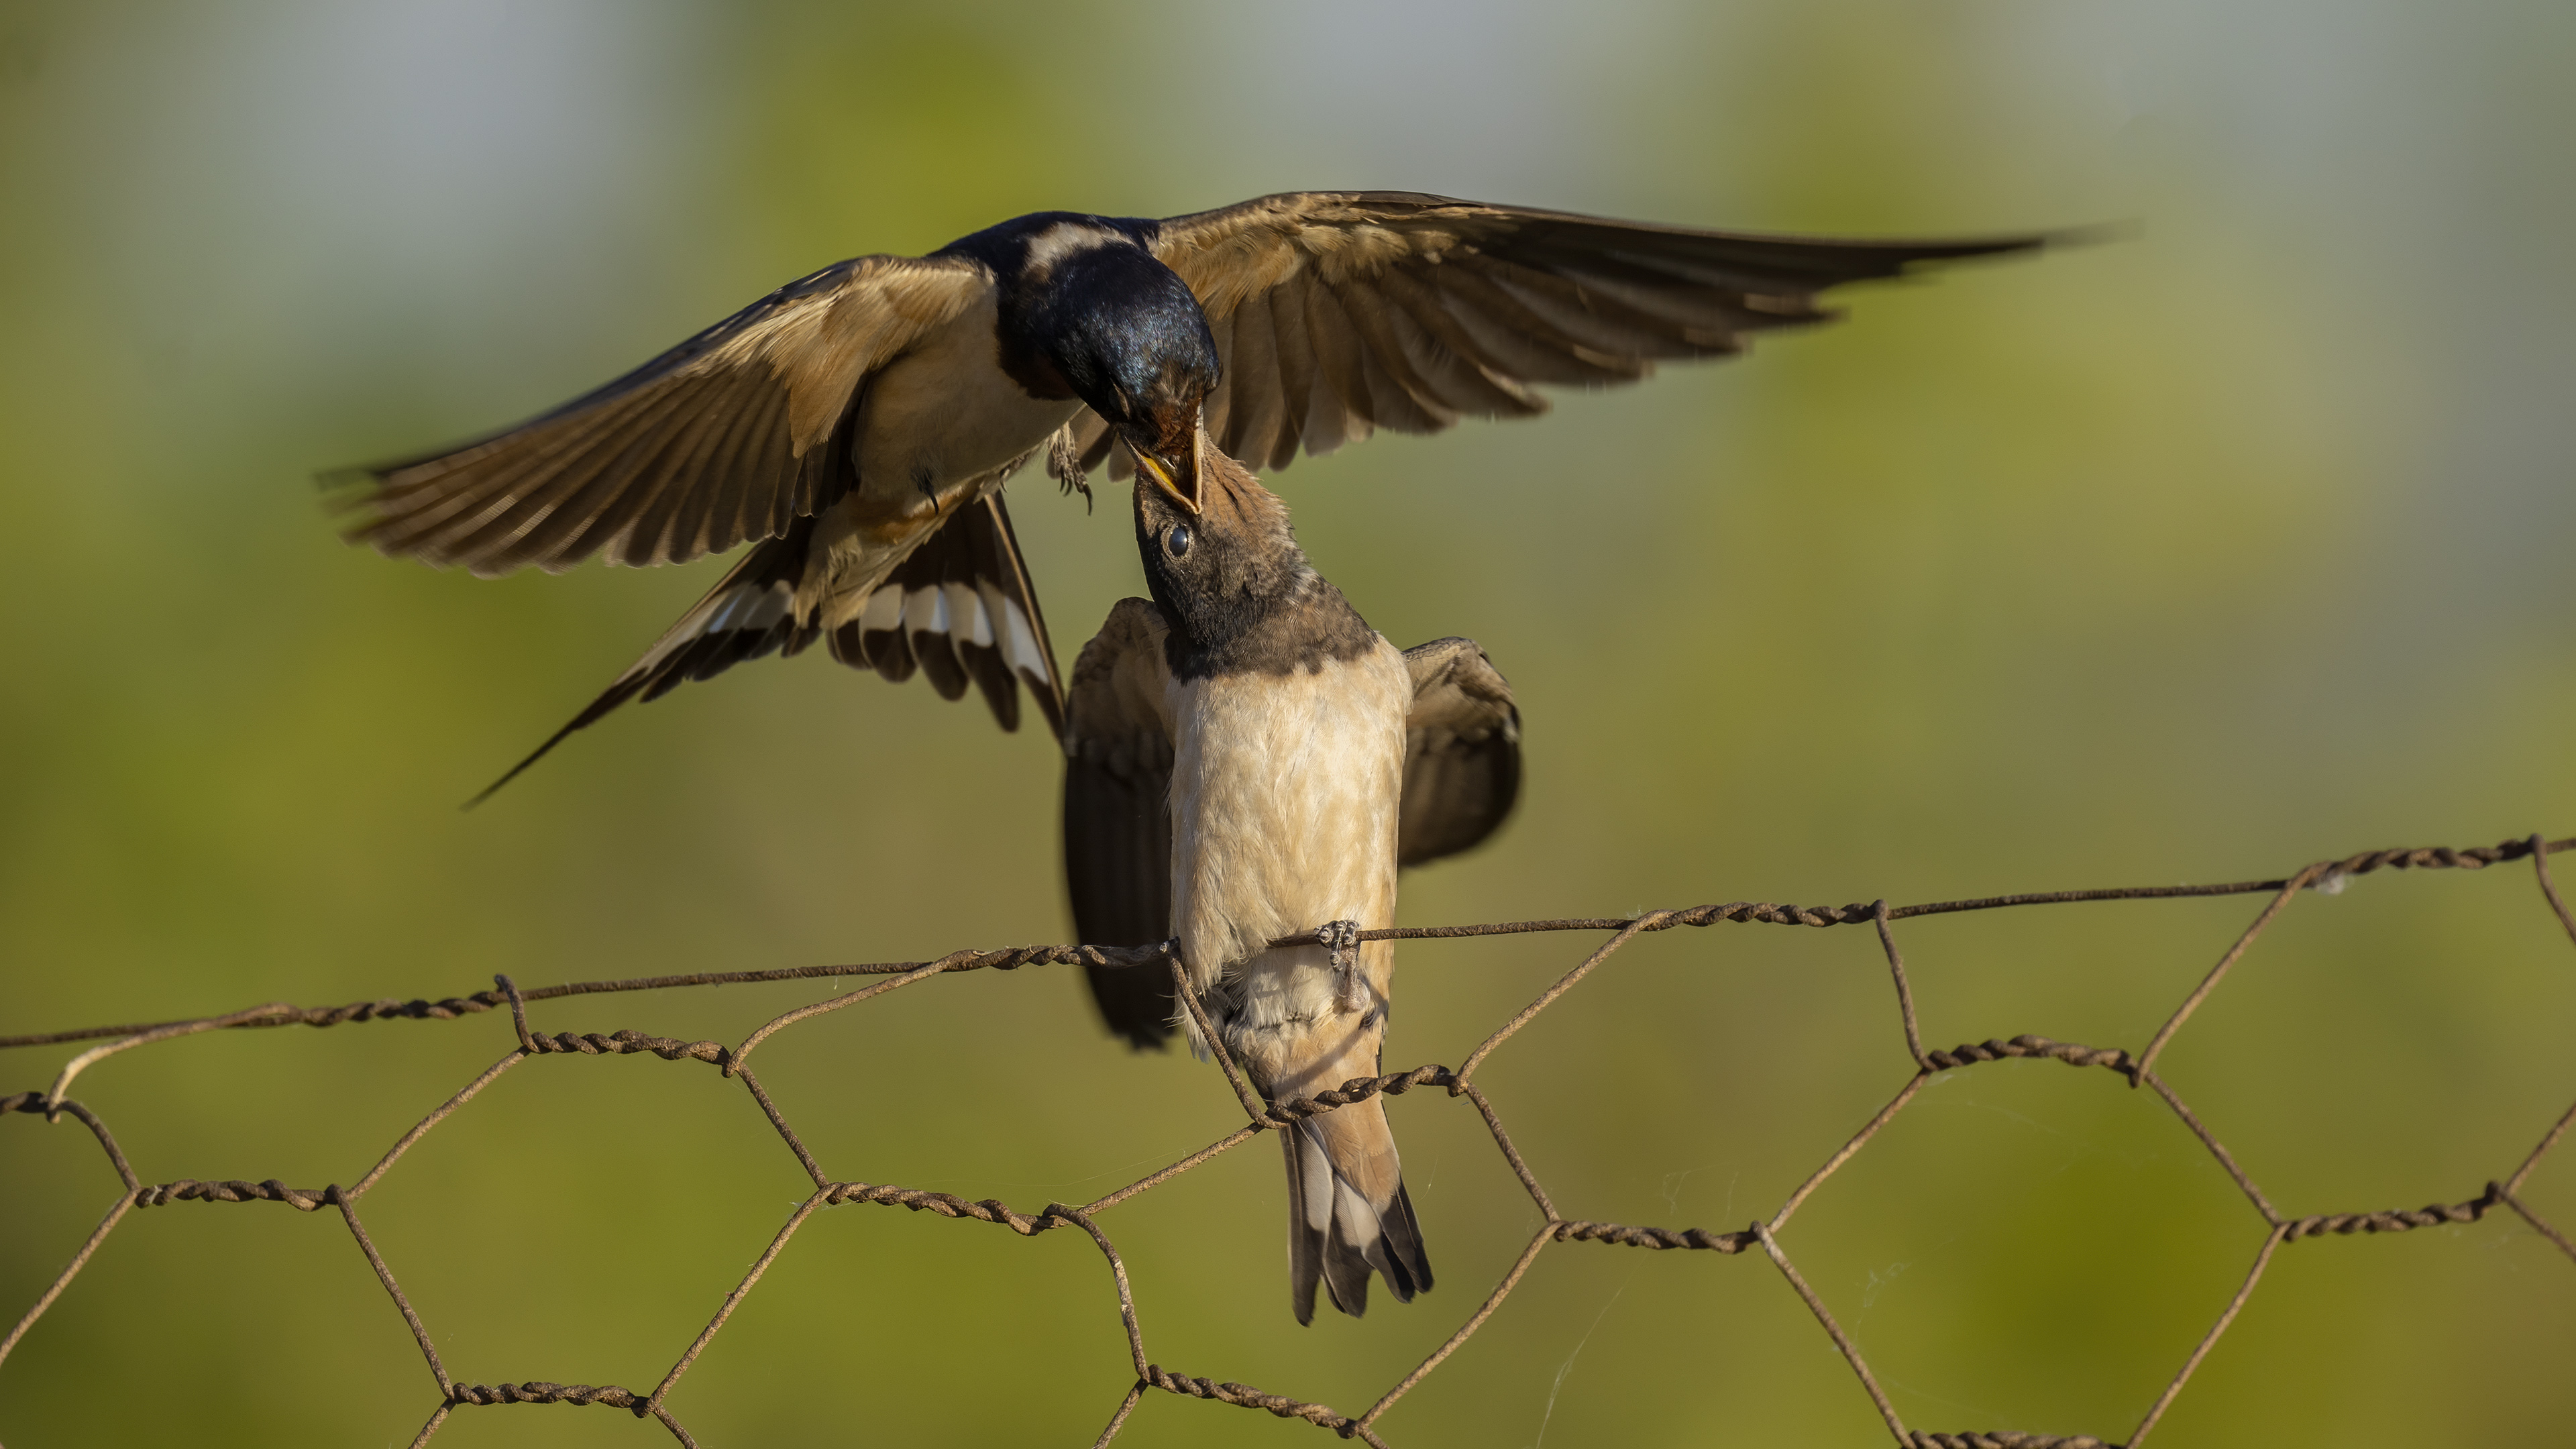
{"points": [[1244, 1396], [538, 1391], [189, 1189], [2322, 876], [2072, 1053], [2005, 1440], [1628, 1237]]}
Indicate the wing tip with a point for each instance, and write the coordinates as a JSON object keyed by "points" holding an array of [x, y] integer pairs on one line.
{"points": [[349, 476], [1923, 254], [2091, 234]]}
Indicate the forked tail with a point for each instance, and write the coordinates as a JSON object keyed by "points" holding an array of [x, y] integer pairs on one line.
{"points": [[1348, 1213]]}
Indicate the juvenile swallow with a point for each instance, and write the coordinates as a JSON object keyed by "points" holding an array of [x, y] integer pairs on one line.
{"points": [[1247, 759], [858, 423]]}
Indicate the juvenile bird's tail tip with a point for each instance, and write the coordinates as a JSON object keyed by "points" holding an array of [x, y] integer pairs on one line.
{"points": [[1338, 1238]]}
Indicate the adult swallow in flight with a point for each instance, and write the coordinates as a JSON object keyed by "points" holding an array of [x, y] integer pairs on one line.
{"points": [[857, 424], [1247, 759]]}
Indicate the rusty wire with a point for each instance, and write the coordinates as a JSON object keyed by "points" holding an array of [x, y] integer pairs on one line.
{"points": [[1763, 1234]]}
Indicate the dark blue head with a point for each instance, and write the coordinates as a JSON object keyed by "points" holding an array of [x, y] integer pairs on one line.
{"points": [[1086, 311]]}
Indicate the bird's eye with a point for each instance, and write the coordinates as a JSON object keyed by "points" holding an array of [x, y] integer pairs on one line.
{"points": [[1177, 542]]}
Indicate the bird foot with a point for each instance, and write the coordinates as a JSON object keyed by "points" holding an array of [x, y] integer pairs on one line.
{"points": [[1342, 938], [1064, 465]]}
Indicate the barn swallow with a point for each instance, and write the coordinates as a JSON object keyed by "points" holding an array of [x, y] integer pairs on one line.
{"points": [[1247, 759], [858, 423]]}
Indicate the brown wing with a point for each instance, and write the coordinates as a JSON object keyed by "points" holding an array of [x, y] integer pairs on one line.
{"points": [[730, 436], [959, 608], [1462, 752], [1337, 313], [1117, 813]]}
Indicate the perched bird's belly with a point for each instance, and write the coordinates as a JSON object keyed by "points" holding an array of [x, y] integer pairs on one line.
{"points": [[1285, 799], [942, 417]]}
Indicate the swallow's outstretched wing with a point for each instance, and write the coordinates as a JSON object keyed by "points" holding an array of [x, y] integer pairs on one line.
{"points": [[731, 436], [1461, 778], [1340, 312]]}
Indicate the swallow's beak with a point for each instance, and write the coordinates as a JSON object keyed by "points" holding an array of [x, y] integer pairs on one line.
{"points": [[1178, 476]]}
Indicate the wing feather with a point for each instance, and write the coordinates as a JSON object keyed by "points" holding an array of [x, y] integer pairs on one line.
{"points": [[961, 610], [1117, 816], [1530, 347], [618, 473], [1462, 752], [1250, 427], [622, 466], [1297, 371], [1413, 311], [1477, 379], [1338, 411], [706, 640], [968, 571], [632, 517], [663, 452]]}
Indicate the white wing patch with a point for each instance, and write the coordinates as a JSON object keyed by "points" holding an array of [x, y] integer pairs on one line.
{"points": [[884, 610], [749, 607], [961, 631], [961, 617], [966, 579], [957, 611], [965, 612], [924, 612], [1025, 654]]}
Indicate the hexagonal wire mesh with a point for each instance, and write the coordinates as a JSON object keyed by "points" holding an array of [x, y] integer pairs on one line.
{"points": [[733, 1063]]}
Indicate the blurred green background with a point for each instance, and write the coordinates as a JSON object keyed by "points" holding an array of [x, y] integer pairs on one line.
{"points": [[2231, 544]]}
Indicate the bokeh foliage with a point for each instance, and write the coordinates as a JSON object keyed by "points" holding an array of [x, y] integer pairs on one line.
{"points": [[2235, 542]]}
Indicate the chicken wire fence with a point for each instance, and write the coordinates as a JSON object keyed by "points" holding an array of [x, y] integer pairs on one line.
{"points": [[1763, 1236]]}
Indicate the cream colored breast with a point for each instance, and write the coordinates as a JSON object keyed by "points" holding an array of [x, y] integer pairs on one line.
{"points": [[945, 413], [1285, 795]]}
